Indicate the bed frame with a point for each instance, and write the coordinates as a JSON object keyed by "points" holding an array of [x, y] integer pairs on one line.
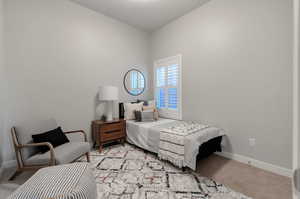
{"points": [[205, 150]]}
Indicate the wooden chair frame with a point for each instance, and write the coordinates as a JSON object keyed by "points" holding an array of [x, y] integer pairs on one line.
{"points": [[22, 166]]}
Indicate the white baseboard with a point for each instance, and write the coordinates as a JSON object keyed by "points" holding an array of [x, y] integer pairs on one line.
{"points": [[259, 164]]}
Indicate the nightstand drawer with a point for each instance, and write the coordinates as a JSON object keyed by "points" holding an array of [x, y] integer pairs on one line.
{"points": [[111, 127], [111, 131], [110, 135]]}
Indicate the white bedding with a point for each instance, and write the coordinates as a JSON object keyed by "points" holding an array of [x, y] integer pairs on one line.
{"points": [[147, 136]]}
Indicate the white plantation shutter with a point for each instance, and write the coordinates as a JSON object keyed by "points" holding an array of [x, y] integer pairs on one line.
{"points": [[168, 87]]}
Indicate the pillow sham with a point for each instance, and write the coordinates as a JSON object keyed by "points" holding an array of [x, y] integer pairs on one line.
{"points": [[147, 108], [156, 114], [144, 116], [152, 107], [130, 108], [144, 101]]}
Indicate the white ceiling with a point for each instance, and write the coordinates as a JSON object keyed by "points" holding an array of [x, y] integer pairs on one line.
{"points": [[148, 15]]}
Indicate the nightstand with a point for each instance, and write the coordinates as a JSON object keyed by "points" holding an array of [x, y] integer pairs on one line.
{"points": [[106, 132]]}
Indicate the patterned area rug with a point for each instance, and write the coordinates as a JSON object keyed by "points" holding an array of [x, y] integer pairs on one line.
{"points": [[127, 172]]}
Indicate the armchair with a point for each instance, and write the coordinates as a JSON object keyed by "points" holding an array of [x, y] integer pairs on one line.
{"points": [[28, 156]]}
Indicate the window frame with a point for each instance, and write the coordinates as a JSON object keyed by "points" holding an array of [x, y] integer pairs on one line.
{"points": [[168, 61]]}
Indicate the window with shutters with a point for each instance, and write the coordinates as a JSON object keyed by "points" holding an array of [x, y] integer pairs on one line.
{"points": [[167, 86]]}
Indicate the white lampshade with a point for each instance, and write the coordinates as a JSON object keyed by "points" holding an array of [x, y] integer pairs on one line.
{"points": [[108, 93]]}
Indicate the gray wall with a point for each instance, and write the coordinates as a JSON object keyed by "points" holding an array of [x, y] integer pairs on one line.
{"points": [[237, 67], [237, 72], [58, 54], [2, 82], [298, 61]]}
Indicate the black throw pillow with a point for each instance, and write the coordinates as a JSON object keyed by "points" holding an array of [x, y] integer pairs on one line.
{"points": [[138, 116], [56, 137]]}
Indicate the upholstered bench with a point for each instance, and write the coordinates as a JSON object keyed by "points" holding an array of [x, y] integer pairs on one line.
{"points": [[72, 181]]}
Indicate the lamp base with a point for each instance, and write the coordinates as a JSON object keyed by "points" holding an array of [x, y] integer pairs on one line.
{"points": [[109, 115]]}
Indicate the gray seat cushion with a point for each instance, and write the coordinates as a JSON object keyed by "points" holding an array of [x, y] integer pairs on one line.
{"points": [[64, 154], [27, 129]]}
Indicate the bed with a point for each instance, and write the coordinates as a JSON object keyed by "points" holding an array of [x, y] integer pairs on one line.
{"points": [[146, 135]]}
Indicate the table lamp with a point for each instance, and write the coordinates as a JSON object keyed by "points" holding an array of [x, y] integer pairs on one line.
{"points": [[109, 94]]}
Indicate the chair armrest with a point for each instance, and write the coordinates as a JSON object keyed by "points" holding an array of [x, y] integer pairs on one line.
{"points": [[78, 131], [52, 155]]}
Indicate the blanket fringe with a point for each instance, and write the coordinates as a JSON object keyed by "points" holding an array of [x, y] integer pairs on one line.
{"points": [[175, 161]]}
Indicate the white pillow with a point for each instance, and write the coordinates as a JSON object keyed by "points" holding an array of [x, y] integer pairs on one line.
{"points": [[152, 106], [130, 108]]}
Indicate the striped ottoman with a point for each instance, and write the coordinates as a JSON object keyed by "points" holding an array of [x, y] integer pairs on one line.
{"points": [[72, 181]]}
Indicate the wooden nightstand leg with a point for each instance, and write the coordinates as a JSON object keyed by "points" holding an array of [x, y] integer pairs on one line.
{"points": [[88, 157], [17, 172], [100, 148]]}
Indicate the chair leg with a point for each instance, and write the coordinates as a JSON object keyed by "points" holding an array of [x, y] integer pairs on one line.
{"points": [[88, 157], [16, 173]]}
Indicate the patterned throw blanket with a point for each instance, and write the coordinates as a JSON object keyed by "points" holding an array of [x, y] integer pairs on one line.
{"points": [[172, 141]]}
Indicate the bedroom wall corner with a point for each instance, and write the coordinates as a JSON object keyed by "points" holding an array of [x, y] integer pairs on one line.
{"points": [[296, 107], [237, 72], [2, 83]]}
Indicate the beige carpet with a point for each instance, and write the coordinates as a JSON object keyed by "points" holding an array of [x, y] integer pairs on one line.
{"points": [[253, 182]]}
